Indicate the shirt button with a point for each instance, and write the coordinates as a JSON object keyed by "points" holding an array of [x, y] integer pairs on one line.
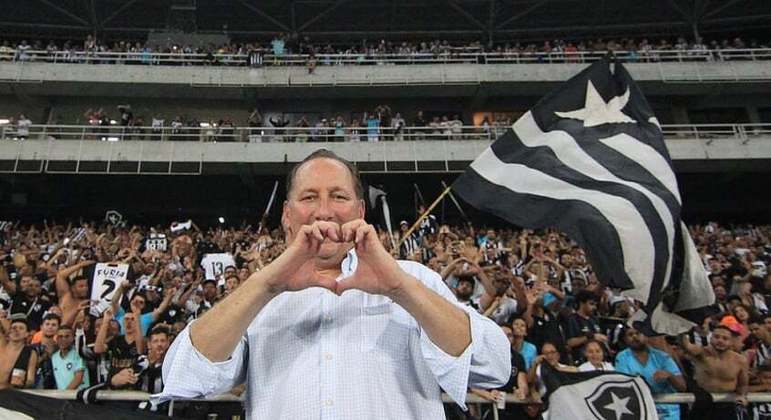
{"points": [[328, 403], [328, 356], [328, 318]]}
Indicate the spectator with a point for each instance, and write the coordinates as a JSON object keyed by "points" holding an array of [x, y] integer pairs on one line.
{"points": [[339, 128], [658, 369], [518, 342], [30, 302], [278, 128], [594, 354], [583, 325], [717, 369], [22, 127], [418, 123], [69, 368], [373, 127], [19, 361]]}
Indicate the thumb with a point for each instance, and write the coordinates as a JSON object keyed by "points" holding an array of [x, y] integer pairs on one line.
{"points": [[347, 284], [326, 282]]}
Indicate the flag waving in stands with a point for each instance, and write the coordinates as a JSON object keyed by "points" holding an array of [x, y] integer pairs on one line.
{"points": [[590, 160], [597, 395]]}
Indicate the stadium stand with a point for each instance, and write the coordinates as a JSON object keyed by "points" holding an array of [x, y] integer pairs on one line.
{"points": [[146, 112]]}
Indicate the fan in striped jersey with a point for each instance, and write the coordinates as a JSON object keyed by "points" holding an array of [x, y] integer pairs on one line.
{"points": [[590, 160]]}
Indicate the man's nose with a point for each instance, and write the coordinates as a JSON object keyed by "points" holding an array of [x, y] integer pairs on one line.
{"points": [[324, 210]]}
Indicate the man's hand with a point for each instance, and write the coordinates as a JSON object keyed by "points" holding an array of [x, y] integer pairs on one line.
{"points": [[298, 261], [124, 377], [107, 315], [661, 375], [376, 272]]}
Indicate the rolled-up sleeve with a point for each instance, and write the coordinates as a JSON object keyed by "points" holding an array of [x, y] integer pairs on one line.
{"points": [[486, 362], [189, 374]]}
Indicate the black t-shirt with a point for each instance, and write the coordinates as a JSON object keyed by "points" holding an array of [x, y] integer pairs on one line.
{"points": [[122, 354], [517, 366], [578, 326], [549, 329], [33, 308]]}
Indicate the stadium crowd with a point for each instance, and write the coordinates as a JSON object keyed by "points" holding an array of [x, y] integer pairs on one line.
{"points": [[378, 124], [89, 304], [254, 53]]}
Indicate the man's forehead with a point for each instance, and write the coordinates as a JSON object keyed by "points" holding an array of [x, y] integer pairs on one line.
{"points": [[308, 177]]}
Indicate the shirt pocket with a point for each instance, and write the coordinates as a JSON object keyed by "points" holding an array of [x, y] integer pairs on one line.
{"points": [[386, 332]]}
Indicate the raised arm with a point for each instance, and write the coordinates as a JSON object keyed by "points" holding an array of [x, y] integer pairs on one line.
{"points": [[62, 277], [693, 350], [100, 345], [168, 294], [8, 285], [139, 339]]}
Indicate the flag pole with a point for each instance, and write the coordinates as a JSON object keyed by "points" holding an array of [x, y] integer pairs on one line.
{"points": [[267, 208], [457, 204], [423, 216]]}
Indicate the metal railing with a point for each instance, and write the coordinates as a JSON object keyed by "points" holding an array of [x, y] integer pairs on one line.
{"points": [[226, 133], [676, 398], [260, 58]]}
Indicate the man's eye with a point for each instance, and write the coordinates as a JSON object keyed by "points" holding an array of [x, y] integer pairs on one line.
{"points": [[307, 198]]}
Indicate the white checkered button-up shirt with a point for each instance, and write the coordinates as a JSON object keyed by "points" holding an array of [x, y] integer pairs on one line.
{"points": [[315, 355]]}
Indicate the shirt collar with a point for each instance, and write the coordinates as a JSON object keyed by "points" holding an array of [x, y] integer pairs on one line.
{"points": [[349, 264]]}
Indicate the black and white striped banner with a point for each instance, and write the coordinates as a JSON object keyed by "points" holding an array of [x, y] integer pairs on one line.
{"points": [[598, 169]]}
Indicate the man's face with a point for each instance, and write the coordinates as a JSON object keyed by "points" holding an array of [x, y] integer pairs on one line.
{"points": [[18, 332], [80, 289], [231, 283], [129, 323], [519, 327], [210, 290], [464, 290], [64, 338], [49, 327], [138, 302], [33, 288], [159, 343], [720, 293], [589, 307], [635, 340], [24, 283], [720, 340], [323, 190], [759, 330]]}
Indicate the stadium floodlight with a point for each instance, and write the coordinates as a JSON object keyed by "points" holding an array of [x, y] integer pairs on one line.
{"points": [[4, 121], [221, 220]]}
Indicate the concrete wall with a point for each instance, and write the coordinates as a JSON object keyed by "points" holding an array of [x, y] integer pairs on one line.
{"points": [[441, 74], [757, 148]]}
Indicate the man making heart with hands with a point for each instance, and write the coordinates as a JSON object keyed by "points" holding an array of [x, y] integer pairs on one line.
{"points": [[335, 327]]}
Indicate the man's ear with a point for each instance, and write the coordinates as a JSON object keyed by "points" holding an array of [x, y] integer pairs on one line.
{"points": [[285, 219], [362, 209]]}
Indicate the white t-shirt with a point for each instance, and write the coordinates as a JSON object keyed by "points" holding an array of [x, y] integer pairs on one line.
{"points": [[22, 127], [589, 367], [214, 264]]}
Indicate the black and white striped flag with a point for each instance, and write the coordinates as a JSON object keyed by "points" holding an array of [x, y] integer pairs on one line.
{"points": [[590, 160]]}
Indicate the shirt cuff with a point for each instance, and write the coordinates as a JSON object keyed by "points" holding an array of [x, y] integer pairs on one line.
{"points": [[451, 372], [189, 374]]}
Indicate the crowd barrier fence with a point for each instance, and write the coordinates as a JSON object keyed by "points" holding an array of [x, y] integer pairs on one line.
{"points": [[677, 398], [265, 58], [212, 132]]}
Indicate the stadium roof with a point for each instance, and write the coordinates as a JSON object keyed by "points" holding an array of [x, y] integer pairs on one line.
{"points": [[394, 19]]}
